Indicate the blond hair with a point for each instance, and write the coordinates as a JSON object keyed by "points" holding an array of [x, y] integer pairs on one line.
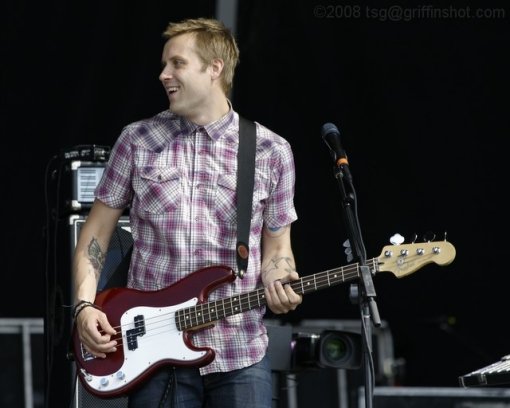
{"points": [[213, 40]]}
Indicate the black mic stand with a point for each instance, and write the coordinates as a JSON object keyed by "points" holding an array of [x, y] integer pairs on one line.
{"points": [[362, 292]]}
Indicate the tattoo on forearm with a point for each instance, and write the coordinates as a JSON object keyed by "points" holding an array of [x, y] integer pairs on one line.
{"points": [[282, 262], [96, 256]]}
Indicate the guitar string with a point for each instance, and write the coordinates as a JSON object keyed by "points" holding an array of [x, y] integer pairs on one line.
{"points": [[156, 325], [320, 280], [297, 285]]}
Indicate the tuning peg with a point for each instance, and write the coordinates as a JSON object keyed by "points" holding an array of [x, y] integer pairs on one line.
{"points": [[429, 236], [397, 239], [415, 237]]}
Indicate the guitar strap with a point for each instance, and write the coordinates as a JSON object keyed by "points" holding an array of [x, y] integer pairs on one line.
{"points": [[245, 183]]}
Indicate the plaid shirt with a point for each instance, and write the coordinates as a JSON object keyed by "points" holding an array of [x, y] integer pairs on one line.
{"points": [[180, 181]]}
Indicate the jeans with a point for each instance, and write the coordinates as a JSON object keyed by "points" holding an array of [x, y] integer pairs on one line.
{"points": [[249, 387]]}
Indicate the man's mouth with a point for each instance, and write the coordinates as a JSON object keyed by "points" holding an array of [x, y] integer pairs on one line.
{"points": [[172, 89]]}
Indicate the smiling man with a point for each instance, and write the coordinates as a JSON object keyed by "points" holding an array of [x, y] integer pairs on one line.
{"points": [[176, 172]]}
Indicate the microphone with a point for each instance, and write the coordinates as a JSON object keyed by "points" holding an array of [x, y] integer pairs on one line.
{"points": [[331, 136]]}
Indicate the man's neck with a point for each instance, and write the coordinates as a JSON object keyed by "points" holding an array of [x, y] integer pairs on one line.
{"points": [[219, 108]]}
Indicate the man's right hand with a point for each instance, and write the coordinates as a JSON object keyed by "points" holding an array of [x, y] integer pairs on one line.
{"points": [[95, 332]]}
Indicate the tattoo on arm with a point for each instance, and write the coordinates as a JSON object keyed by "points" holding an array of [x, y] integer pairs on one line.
{"points": [[282, 262], [276, 231], [96, 256]]}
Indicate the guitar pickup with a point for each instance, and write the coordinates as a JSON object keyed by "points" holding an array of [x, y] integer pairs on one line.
{"points": [[132, 334]]}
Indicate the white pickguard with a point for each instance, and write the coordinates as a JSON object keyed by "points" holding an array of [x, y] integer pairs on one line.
{"points": [[161, 341]]}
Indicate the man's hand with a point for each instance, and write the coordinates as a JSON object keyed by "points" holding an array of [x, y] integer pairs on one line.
{"points": [[95, 332], [276, 274]]}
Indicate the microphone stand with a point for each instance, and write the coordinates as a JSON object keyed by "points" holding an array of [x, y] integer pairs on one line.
{"points": [[362, 292]]}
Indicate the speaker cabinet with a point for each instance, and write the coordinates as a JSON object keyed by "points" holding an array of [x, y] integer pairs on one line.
{"points": [[63, 389]]}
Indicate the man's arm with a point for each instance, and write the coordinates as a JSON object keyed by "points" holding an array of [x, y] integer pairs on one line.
{"points": [[88, 261], [278, 266]]}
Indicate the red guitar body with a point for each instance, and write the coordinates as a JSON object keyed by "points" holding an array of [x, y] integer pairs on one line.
{"points": [[150, 337]]}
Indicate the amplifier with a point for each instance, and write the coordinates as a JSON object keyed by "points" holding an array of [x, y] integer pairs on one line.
{"points": [[86, 152], [81, 178]]}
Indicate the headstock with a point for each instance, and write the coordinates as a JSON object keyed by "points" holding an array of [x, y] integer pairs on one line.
{"points": [[404, 259]]}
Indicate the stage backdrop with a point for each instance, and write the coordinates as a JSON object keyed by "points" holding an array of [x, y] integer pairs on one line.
{"points": [[418, 94]]}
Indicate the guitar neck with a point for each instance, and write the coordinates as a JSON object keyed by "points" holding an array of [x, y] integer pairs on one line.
{"points": [[206, 313]]}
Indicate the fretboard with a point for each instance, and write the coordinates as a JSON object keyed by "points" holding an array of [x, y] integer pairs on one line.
{"points": [[206, 313]]}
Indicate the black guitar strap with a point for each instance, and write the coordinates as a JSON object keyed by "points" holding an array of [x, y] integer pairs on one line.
{"points": [[245, 183]]}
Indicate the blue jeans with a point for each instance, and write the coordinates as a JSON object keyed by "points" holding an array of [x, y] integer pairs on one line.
{"points": [[249, 387]]}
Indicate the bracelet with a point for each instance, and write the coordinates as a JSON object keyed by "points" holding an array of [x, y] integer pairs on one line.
{"points": [[83, 307], [77, 305], [82, 304]]}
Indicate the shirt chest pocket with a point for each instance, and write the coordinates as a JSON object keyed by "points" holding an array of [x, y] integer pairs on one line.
{"points": [[226, 196], [159, 189]]}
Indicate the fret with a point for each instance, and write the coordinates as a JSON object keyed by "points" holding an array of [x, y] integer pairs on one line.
{"points": [[243, 302], [307, 284], [223, 313], [177, 319], [193, 316], [200, 314], [187, 317], [215, 310], [207, 314]]}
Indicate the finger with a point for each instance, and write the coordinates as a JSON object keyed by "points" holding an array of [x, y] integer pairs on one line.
{"points": [[273, 301], [105, 324], [294, 298]]}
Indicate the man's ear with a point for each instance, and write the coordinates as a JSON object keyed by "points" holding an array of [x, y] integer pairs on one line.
{"points": [[216, 68]]}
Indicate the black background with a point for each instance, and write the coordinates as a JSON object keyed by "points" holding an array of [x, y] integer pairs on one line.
{"points": [[421, 104]]}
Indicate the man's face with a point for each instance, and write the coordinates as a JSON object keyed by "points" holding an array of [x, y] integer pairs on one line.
{"points": [[186, 80]]}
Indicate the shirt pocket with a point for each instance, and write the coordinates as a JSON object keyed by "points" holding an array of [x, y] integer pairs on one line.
{"points": [[226, 200], [261, 192], [226, 196], [159, 189]]}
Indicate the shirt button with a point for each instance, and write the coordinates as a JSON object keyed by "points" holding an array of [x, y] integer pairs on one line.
{"points": [[198, 252]]}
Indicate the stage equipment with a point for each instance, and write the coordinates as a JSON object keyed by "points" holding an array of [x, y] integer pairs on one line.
{"points": [[327, 349], [497, 373]]}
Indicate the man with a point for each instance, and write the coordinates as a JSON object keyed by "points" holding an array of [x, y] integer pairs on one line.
{"points": [[177, 172]]}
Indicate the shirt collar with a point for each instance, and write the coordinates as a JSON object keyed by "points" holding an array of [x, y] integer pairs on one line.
{"points": [[215, 129]]}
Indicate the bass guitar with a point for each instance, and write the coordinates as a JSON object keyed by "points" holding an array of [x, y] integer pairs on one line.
{"points": [[154, 327]]}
